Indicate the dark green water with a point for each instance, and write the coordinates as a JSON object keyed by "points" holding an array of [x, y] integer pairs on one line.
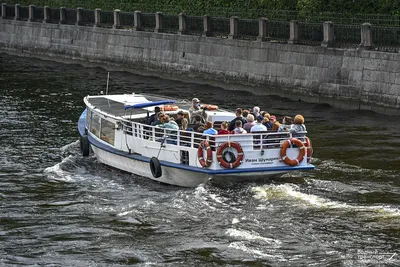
{"points": [[60, 209]]}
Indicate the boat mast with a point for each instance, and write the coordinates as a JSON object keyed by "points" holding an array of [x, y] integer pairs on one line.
{"points": [[108, 78]]}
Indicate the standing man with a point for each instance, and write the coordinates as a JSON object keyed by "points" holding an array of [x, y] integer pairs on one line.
{"points": [[239, 117], [196, 110], [154, 117]]}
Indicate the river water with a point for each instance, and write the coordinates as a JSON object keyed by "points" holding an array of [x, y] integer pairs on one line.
{"points": [[60, 209]]}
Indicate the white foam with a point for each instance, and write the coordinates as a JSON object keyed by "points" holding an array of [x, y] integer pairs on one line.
{"points": [[68, 146], [241, 246], [291, 192], [251, 236], [57, 173], [235, 221]]}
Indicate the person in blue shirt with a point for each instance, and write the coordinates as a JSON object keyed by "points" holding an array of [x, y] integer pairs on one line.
{"points": [[209, 129]]}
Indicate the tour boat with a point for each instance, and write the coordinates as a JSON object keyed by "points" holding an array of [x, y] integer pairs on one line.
{"points": [[116, 129]]}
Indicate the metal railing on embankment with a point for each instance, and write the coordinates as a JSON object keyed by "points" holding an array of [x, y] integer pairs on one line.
{"points": [[327, 34]]}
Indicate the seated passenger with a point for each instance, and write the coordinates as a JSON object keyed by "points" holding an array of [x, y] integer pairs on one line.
{"points": [[172, 121], [180, 117], [154, 117], [224, 128], [286, 124], [250, 123], [298, 125], [171, 126], [272, 119], [259, 127], [184, 125], [239, 129], [256, 112], [239, 117], [266, 122], [209, 129], [245, 112], [275, 126], [199, 126], [167, 123], [158, 121]]}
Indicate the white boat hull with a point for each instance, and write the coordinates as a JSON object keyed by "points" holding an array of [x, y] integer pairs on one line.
{"points": [[186, 157], [179, 177]]}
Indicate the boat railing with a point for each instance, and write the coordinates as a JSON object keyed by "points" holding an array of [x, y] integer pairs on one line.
{"points": [[192, 139]]}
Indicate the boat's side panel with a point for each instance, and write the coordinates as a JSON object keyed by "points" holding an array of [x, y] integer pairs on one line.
{"points": [[169, 175], [176, 176]]}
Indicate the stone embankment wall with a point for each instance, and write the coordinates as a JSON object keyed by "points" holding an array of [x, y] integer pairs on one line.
{"points": [[352, 79]]}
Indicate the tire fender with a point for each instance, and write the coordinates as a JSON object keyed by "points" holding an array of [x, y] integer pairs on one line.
{"points": [[155, 167], [85, 145]]}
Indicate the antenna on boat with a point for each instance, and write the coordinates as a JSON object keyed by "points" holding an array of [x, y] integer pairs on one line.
{"points": [[108, 78]]}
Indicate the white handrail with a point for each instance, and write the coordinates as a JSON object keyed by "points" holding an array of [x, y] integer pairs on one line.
{"points": [[249, 141]]}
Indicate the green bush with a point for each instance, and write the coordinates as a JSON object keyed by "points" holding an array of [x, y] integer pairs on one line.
{"points": [[312, 10]]}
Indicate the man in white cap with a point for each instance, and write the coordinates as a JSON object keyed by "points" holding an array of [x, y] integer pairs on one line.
{"points": [[196, 110]]}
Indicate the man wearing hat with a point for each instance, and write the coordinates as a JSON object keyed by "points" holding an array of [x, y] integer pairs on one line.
{"points": [[196, 110]]}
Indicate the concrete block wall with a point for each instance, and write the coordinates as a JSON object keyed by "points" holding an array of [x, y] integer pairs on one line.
{"points": [[352, 79]]}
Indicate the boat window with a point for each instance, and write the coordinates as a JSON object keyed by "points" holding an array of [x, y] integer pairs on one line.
{"points": [[95, 124], [107, 131], [185, 157], [88, 118]]}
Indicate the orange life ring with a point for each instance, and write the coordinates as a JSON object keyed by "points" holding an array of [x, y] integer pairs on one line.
{"points": [[169, 108], [223, 162], [286, 145], [204, 145], [209, 107], [309, 149]]}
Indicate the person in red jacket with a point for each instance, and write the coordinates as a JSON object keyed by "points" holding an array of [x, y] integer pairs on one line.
{"points": [[224, 128]]}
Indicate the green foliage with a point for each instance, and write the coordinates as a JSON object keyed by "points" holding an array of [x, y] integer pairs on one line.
{"points": [[311, 10]]}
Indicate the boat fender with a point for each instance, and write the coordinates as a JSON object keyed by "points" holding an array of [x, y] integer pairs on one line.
{"points": [[288, 143], [209, 107], [85, 145], [155, 167], [169, 108], [221, 155]]}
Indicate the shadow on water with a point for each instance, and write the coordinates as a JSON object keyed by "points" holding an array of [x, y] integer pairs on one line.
{"points": [[58, 208]]}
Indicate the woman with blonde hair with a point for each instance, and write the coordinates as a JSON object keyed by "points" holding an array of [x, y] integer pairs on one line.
{"points": [[298, 125], [224, 128], [266, 121], [250, 122], [275, 126]]}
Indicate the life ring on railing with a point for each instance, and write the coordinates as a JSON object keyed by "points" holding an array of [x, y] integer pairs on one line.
{"points": [[286, 145], [221, 156], [169, 108], [204, 162], [309, 149], [209, 107]]}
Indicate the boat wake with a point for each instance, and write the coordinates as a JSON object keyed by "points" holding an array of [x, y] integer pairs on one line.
{"points": [[66, 170], [343, 170], [293, 194], [71, 148]]}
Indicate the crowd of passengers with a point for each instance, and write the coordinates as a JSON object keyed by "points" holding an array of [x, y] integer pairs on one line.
{"points": [[245, 122]]}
